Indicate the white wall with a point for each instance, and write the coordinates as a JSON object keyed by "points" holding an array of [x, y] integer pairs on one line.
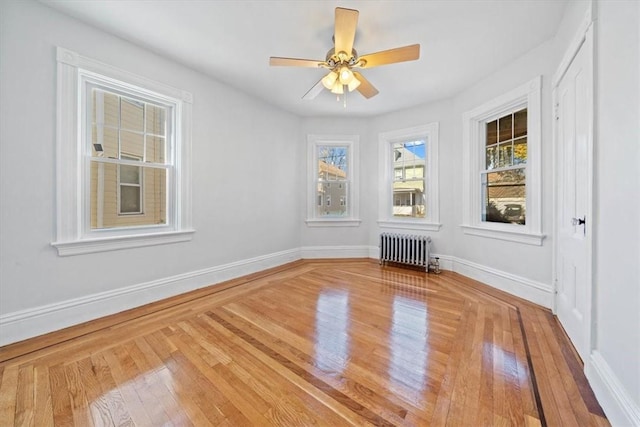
{"points": [[245, 166], [617, 207]]}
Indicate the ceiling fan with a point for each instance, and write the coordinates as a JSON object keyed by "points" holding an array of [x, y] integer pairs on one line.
{"points": [[343, 58]]}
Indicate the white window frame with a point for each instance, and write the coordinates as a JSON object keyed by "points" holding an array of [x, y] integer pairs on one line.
{"points": [[73, 232], [431, 221], [527, 96], [351, 142]]}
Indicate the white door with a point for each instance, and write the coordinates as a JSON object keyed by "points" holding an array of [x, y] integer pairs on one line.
{"points": [[574, 102]]}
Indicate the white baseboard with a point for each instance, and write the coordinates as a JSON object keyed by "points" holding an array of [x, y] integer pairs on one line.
{"points": [[522, 287], [537, 292], [314, 252], [32, 322], [36, 321], [615, 400]]}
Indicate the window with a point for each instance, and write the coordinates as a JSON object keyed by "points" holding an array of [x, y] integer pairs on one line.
{"points": [[501, 166], [332, 172], [409, 173], [409, 178], [123, 159], [504, 173]]}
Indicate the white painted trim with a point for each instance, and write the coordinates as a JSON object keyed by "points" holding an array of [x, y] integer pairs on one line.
{"points": [[410, 225], [333, 222], [89, 246], [616, 401], [531, 290], [528, 94], [24, 324], [574, 46], [585, 36], [36, 321], [431, 133], [509, 235], [328, 252]]}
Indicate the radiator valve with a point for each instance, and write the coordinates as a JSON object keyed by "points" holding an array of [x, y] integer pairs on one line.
{"points": [[434, 265]]}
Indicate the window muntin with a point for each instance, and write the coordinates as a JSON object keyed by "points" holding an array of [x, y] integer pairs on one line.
{"points": [[333, 169], [409, 163], [128, 144], [504, 175]]}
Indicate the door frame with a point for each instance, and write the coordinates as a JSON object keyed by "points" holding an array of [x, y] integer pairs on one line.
{"points": [[584, 39]]}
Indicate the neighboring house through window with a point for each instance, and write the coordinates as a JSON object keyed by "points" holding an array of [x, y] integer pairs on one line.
{"points": [[127, 140], [501, 167], [409, 178], [332, 169]]}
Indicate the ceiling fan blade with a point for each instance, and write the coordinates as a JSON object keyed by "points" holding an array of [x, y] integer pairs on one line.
{"points": [[294, 62], [366, 89], [391, 56], [314, 91], [345, 30]]}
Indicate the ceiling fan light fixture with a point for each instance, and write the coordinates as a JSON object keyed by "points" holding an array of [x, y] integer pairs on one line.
{"points": [[337, 88], [346, 75], [353, 84], [329, 80]]}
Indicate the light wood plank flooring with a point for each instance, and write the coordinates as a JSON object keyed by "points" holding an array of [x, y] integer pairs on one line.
{"points": [[311, 343]]}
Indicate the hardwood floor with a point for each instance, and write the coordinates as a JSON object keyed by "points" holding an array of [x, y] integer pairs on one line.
{"points": [[311, 343]]}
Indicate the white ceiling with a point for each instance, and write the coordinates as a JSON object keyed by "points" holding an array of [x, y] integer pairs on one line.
{"points": [[461, 41]]}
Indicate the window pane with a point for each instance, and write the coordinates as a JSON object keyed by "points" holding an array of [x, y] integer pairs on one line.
{"points": [[155, 117], [520, 151], [492, 157], [132, 115], [504, 195], [506, 128], [131, 144], [492, 132], [129, 174], [520, 123], [146, 205], [130, 199], [409, 199], [104, 142], [409, 160], [332, 163], [505, 151], [105, 108], [156, 148], [332, 199]]}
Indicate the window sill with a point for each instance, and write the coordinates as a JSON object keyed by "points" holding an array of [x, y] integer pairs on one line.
{"points": [[333, 222], [410, 225], [89, 246], [508, 235]]}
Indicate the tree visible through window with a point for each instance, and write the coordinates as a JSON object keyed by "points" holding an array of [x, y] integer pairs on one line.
{"points": [[504, 176]]}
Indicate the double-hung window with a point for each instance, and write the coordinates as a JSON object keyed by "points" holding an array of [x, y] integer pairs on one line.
{"points": [[409, 178], [332, 183], [501, 167], [123, 158]]}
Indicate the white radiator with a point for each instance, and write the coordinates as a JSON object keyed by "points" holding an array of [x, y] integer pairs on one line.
{"points": [[405, 249]]}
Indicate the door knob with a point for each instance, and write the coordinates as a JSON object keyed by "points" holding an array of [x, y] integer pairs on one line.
{"points": [[577, 221]]}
